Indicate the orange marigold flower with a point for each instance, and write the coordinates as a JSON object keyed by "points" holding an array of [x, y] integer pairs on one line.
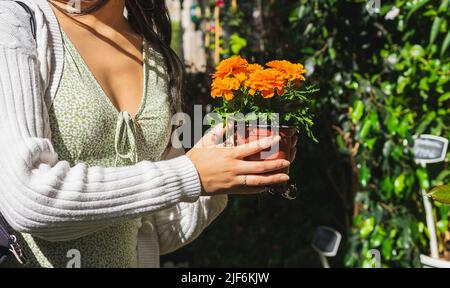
{"points": [[242, 77], [253, 68], [225, 88], [292, 72], [231, 67], [266, 81]]}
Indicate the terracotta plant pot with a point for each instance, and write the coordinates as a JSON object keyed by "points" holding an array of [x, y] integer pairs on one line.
{"points": [[253, 133]]}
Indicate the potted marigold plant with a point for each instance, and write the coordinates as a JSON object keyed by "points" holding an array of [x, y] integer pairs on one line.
{"points": [[264, 98]]}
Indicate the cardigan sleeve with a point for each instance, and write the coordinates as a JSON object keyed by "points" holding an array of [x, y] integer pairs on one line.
{"points": [[47, 197], [180, 225], [183, 223]]}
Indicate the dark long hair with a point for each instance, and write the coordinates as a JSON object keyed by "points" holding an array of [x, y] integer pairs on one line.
{"points": [[151, 19]]}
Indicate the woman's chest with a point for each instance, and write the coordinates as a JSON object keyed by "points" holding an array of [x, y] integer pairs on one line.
{"points": [[87, 127]]}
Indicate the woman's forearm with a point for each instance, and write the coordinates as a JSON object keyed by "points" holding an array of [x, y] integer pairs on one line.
{"points": [[50, 199], [182, 224]]}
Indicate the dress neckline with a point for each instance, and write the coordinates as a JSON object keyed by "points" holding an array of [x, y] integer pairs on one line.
{"points": [[75, 53]]}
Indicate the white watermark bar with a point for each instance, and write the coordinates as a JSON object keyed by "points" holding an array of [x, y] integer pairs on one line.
{"points": [[74, 256], [238, 129]]}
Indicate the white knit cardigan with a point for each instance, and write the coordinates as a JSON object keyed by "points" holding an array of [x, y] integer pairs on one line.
{"points": [[46, 197]]}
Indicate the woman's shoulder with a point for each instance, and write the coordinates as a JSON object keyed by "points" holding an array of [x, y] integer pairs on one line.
{"points": [[154, 56], [15, 27]]}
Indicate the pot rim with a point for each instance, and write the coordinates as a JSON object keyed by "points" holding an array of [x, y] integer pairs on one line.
{"points": [[247, 124], [275, 126]]}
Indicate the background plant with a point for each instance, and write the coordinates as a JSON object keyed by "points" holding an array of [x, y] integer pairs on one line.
{"points": [[383, 78]]}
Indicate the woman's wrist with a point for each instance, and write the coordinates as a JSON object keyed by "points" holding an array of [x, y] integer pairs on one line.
{"points": [[181, 175]]}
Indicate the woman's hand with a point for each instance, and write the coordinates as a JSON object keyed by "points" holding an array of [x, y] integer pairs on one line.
{"points": [[222, 170]]}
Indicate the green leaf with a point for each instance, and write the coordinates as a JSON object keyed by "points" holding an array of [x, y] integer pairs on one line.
{"points": [[386, 249], [403, 127], [445, 44], [358, 111], [340, 142], [444, 6], [426, 122], [421, 227], [350, 260], [435, 29], [251, 116], [332, 53], [444, 98], [387, 187], [416, 7], [367, 227], [442, 225], [237, 43], [423, 84], [369, 143], [442, 176], [441, 194], [422, 175], [364, 175], [399, 184], [387, 149], [374, 120], [417, 51], [392, 124], [365, 129], [401, 84], [376, 240], [295, 15]]}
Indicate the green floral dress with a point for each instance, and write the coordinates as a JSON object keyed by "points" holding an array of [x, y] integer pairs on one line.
{"points": [[87, 127]]}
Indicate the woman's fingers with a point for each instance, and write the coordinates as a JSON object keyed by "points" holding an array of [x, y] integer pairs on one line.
{"points": [[265, 179], [213, 137], [222, 170], [260, 167], [254, 147]]}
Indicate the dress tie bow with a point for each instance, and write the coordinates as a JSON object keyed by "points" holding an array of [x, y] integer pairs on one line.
{"points": [[125, 139]]}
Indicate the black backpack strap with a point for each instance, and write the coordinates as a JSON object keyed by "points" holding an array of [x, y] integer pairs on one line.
{"points": [[2, 220], [9, 245], [5, 240], [32, 19]]}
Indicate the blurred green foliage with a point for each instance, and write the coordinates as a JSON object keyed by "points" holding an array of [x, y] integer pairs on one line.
{"points": [[383, 78], [176, 31]]}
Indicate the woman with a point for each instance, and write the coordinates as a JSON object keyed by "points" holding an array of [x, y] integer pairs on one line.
{"points": [[85, 110]]}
